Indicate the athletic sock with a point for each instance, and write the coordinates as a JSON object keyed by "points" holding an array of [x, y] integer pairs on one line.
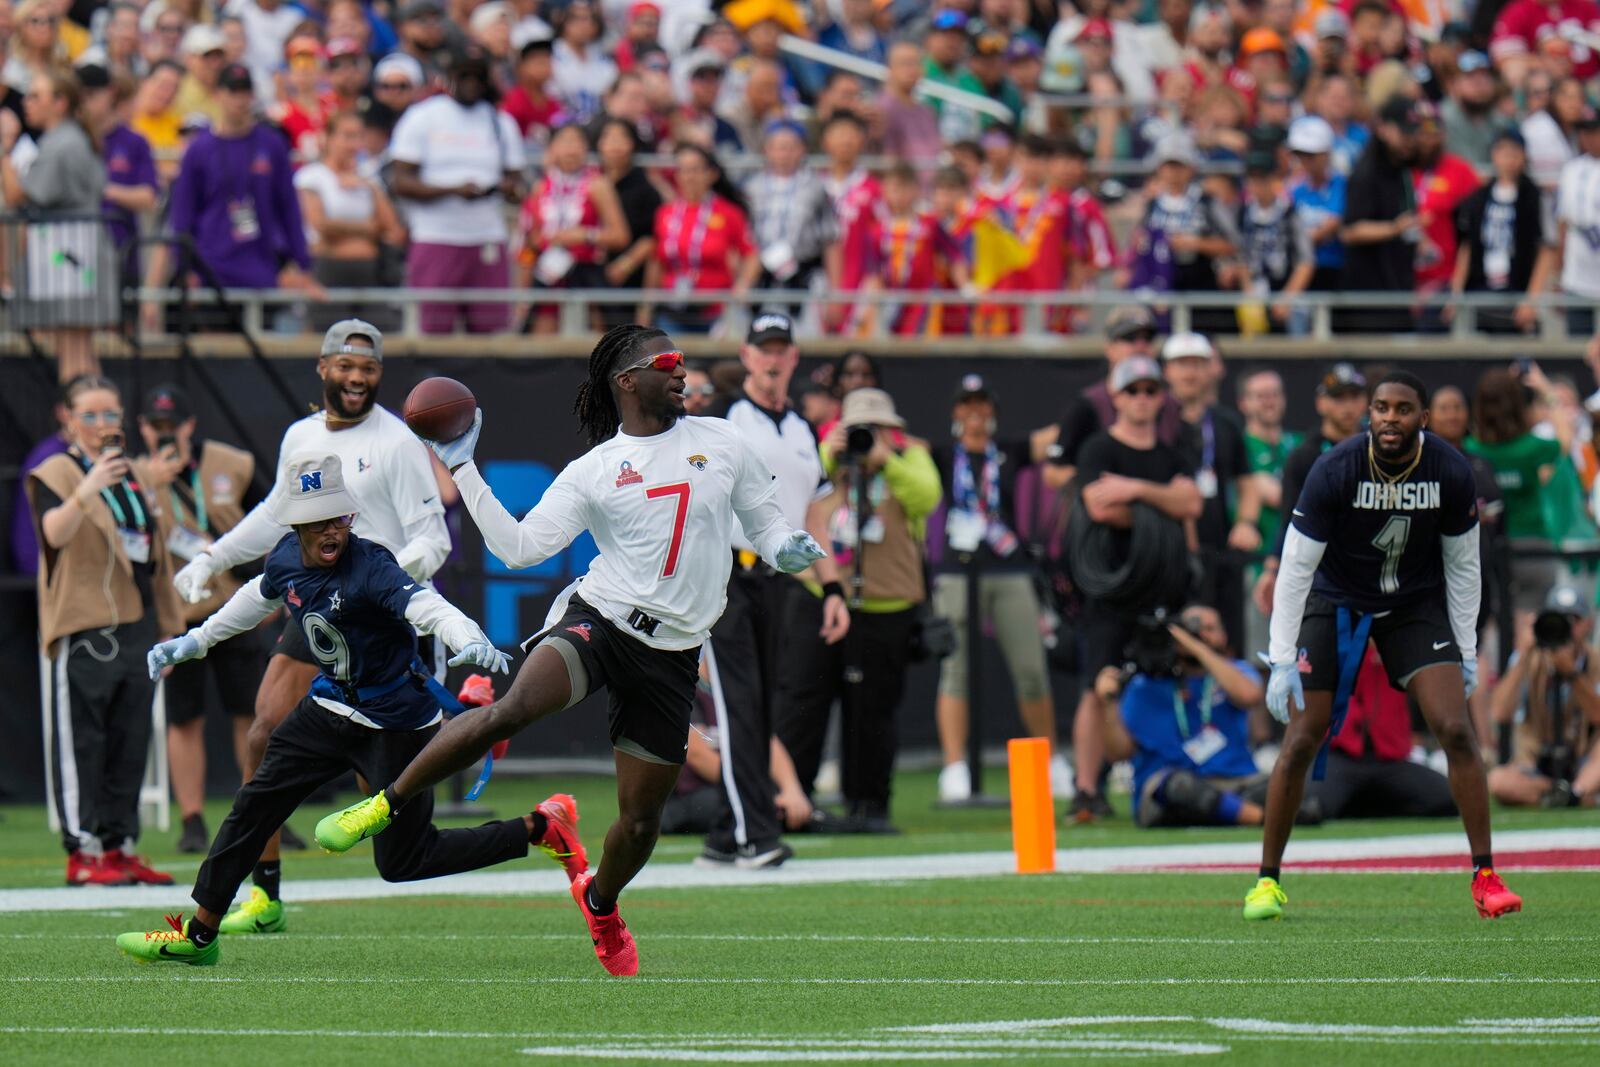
{"points": [[201, 934], [265, 876], [391, 795], [599, 905], [540, 825], [1482, 863], [1270, 872]]}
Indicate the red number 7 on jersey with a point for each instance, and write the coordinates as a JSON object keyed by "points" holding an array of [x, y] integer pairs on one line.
{"points": [[679, 519]]}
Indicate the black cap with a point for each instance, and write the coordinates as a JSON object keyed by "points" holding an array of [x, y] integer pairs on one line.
{"points": [[1342, 378], [417, 9], [1589, 120], [1400, 110], [770, 326], [166, 403], [1257, 162], [972, 387], [93, 76], [469, 60], [236, 77]]}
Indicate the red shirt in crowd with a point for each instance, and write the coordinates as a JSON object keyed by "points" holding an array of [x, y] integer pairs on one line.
{"points": [[1379, 722], [1440, 190], [909, 253], [1524, 26], [696, 243], [1089, 237], [1043, 218], [530, 116], [560, 202], [856, 202]]}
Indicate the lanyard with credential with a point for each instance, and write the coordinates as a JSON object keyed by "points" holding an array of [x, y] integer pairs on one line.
{"points": [[692, 255], [196, 505], [117, 514], [1208, 693]]}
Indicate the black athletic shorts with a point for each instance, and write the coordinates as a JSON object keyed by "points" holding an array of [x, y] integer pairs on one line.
{"points": [[1408, 639], [236, 664], [651, 690]]}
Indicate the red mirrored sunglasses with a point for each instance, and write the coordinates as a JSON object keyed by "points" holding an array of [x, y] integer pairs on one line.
{"points": [[663, 361]]}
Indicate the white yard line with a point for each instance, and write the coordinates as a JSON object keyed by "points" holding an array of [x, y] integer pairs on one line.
{"points": [[1036, 983], [547, 880]]}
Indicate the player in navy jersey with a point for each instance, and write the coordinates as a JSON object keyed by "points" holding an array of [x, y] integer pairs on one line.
{"points": [[372, 707], [1382, 545]]}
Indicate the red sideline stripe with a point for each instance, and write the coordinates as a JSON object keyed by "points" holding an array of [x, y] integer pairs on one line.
{"points": [[1563, 858]]}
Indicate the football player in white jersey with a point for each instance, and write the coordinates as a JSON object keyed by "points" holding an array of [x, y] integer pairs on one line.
{"points": [[389, 471], [660, 494]]}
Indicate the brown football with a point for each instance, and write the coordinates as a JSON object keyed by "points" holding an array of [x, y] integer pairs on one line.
{"points": [[439, 409]]}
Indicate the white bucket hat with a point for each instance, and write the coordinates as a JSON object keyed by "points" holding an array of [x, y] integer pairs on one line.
{"points": [[312, 490]]}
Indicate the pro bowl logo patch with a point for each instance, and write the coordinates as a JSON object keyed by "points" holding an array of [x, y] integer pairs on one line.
{"points": [[582, 630], [697, 461], [292, 597], [1303, 664], [626, 475]]}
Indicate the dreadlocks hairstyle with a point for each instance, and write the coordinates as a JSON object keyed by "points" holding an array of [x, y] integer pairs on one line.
{"points": [[595, 407]]}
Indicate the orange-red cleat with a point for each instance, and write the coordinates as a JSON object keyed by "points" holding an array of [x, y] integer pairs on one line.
{"points": [[84, 869], [612, 942], [1492, 897], [135, 868], [477, 691], [560, 841]]}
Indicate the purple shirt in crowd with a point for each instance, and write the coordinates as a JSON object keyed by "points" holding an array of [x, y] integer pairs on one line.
{"points": [[24, 539], [128, 162], [235, 196]]}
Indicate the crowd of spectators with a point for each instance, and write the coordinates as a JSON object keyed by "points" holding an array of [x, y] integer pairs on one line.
{"points": [[1001, 147]]}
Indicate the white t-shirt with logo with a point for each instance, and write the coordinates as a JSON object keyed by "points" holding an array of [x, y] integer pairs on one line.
{"points": [[1578, 205], [453, 145]]}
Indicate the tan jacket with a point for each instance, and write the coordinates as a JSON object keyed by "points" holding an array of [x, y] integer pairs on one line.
{"points": [[225, 474], [88, 583], [891, 568]]}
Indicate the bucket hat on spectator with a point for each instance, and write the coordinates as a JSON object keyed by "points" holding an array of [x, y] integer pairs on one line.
{"points": [[312, 490], [869, 407], [1342, 379], [1126, 322], [1187, 346], [485, 15], [1132, 371], [201, 39], [1311, 135]]}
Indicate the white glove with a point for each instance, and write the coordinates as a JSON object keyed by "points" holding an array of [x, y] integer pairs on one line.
{"points": [[454, 453], [1285, 681], [1469, 670], [483, 654], [193, 580], [799, 552], [178, 650]]}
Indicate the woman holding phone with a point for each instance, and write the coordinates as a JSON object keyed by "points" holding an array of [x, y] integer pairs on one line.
{"points": [[105, 596]]}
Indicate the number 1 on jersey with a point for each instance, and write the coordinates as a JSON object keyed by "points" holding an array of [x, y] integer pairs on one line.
{"points": [[1392, 539], [679, 520]]}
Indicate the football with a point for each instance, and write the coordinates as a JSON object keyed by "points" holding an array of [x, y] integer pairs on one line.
{"points": [[439, 409]]}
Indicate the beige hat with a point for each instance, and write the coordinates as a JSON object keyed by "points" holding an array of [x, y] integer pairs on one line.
{"points": [[312, 489], [869, 407]]}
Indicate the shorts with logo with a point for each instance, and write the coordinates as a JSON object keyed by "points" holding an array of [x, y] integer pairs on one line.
{"points": [[1408, 639], [236, 664], [651, 690]]}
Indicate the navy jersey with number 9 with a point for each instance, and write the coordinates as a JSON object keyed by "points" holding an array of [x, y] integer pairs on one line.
{"points": [[1383, 539]]}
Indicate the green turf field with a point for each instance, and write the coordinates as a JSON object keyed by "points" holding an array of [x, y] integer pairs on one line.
{"points": [[1388, 968]]}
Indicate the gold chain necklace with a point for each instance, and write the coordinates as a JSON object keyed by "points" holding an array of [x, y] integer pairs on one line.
{"points": [[1391, 479]]}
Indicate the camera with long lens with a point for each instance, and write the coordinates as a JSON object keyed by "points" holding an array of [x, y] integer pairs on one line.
{"points": [[858, 440], [1552, 629], [1152, 651]]}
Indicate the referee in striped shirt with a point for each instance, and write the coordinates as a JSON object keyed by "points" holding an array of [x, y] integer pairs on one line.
{"points": [[742, 656]]}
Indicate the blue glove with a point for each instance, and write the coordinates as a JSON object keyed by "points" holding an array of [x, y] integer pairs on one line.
{"points": [[454, 453], [1285, 682], [483, 654], [178, 650], [799, 552], [1469, 670]]}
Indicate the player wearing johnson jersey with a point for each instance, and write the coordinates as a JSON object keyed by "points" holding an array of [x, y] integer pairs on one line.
{"points": [[371, 709], [1382, 545], [390, 473], [660, 494]]}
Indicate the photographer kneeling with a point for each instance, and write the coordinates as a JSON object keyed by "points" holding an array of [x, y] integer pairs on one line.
{"points": [[1184, 721], [1551, 692]]}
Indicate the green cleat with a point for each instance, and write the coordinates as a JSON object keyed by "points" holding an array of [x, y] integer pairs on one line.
{"points": [[340, 831], [1265, 901], [258, 915], [169, 946]]}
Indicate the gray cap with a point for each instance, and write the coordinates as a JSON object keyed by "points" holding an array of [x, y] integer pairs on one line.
{"points": [[1176, 147], [1565, 600], [336, 342], [1135, 369]]}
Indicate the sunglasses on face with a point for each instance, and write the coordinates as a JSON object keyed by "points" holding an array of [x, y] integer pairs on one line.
{"points": [[665, 361], [42, 20], [96, 418], [700, 390], [392, 87], [1142, 389], [338, 522]]}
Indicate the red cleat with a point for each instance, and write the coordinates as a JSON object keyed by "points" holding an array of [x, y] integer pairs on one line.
{"points": [[612, 942], [84, 869], [138, 872], [560, 841], [477, 691], [1492, 897]]}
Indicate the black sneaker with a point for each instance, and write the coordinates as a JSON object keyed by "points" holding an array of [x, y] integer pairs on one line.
{"points": [[1102, 806], [291, 840], [717, 854], [1310, 813], [759, 856], [194, 838], [1082, 809]]}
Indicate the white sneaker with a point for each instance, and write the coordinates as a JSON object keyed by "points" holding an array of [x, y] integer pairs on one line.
{"points": [[1062, 780], [955, 782]]}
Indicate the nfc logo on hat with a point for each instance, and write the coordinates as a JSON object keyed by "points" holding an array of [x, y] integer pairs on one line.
{"points": [[311, 482]]}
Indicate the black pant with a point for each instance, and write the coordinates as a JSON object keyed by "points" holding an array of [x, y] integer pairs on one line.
{"points": [[1222, 587], [866, 673], [98, 697], [1372, 788], [313, 746], [741, 660]]}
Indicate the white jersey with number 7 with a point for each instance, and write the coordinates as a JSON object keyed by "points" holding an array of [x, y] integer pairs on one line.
{"points": [[662, 511]]}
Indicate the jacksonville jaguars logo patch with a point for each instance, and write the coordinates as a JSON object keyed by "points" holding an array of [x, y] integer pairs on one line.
{"points": [[697, 461]]}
